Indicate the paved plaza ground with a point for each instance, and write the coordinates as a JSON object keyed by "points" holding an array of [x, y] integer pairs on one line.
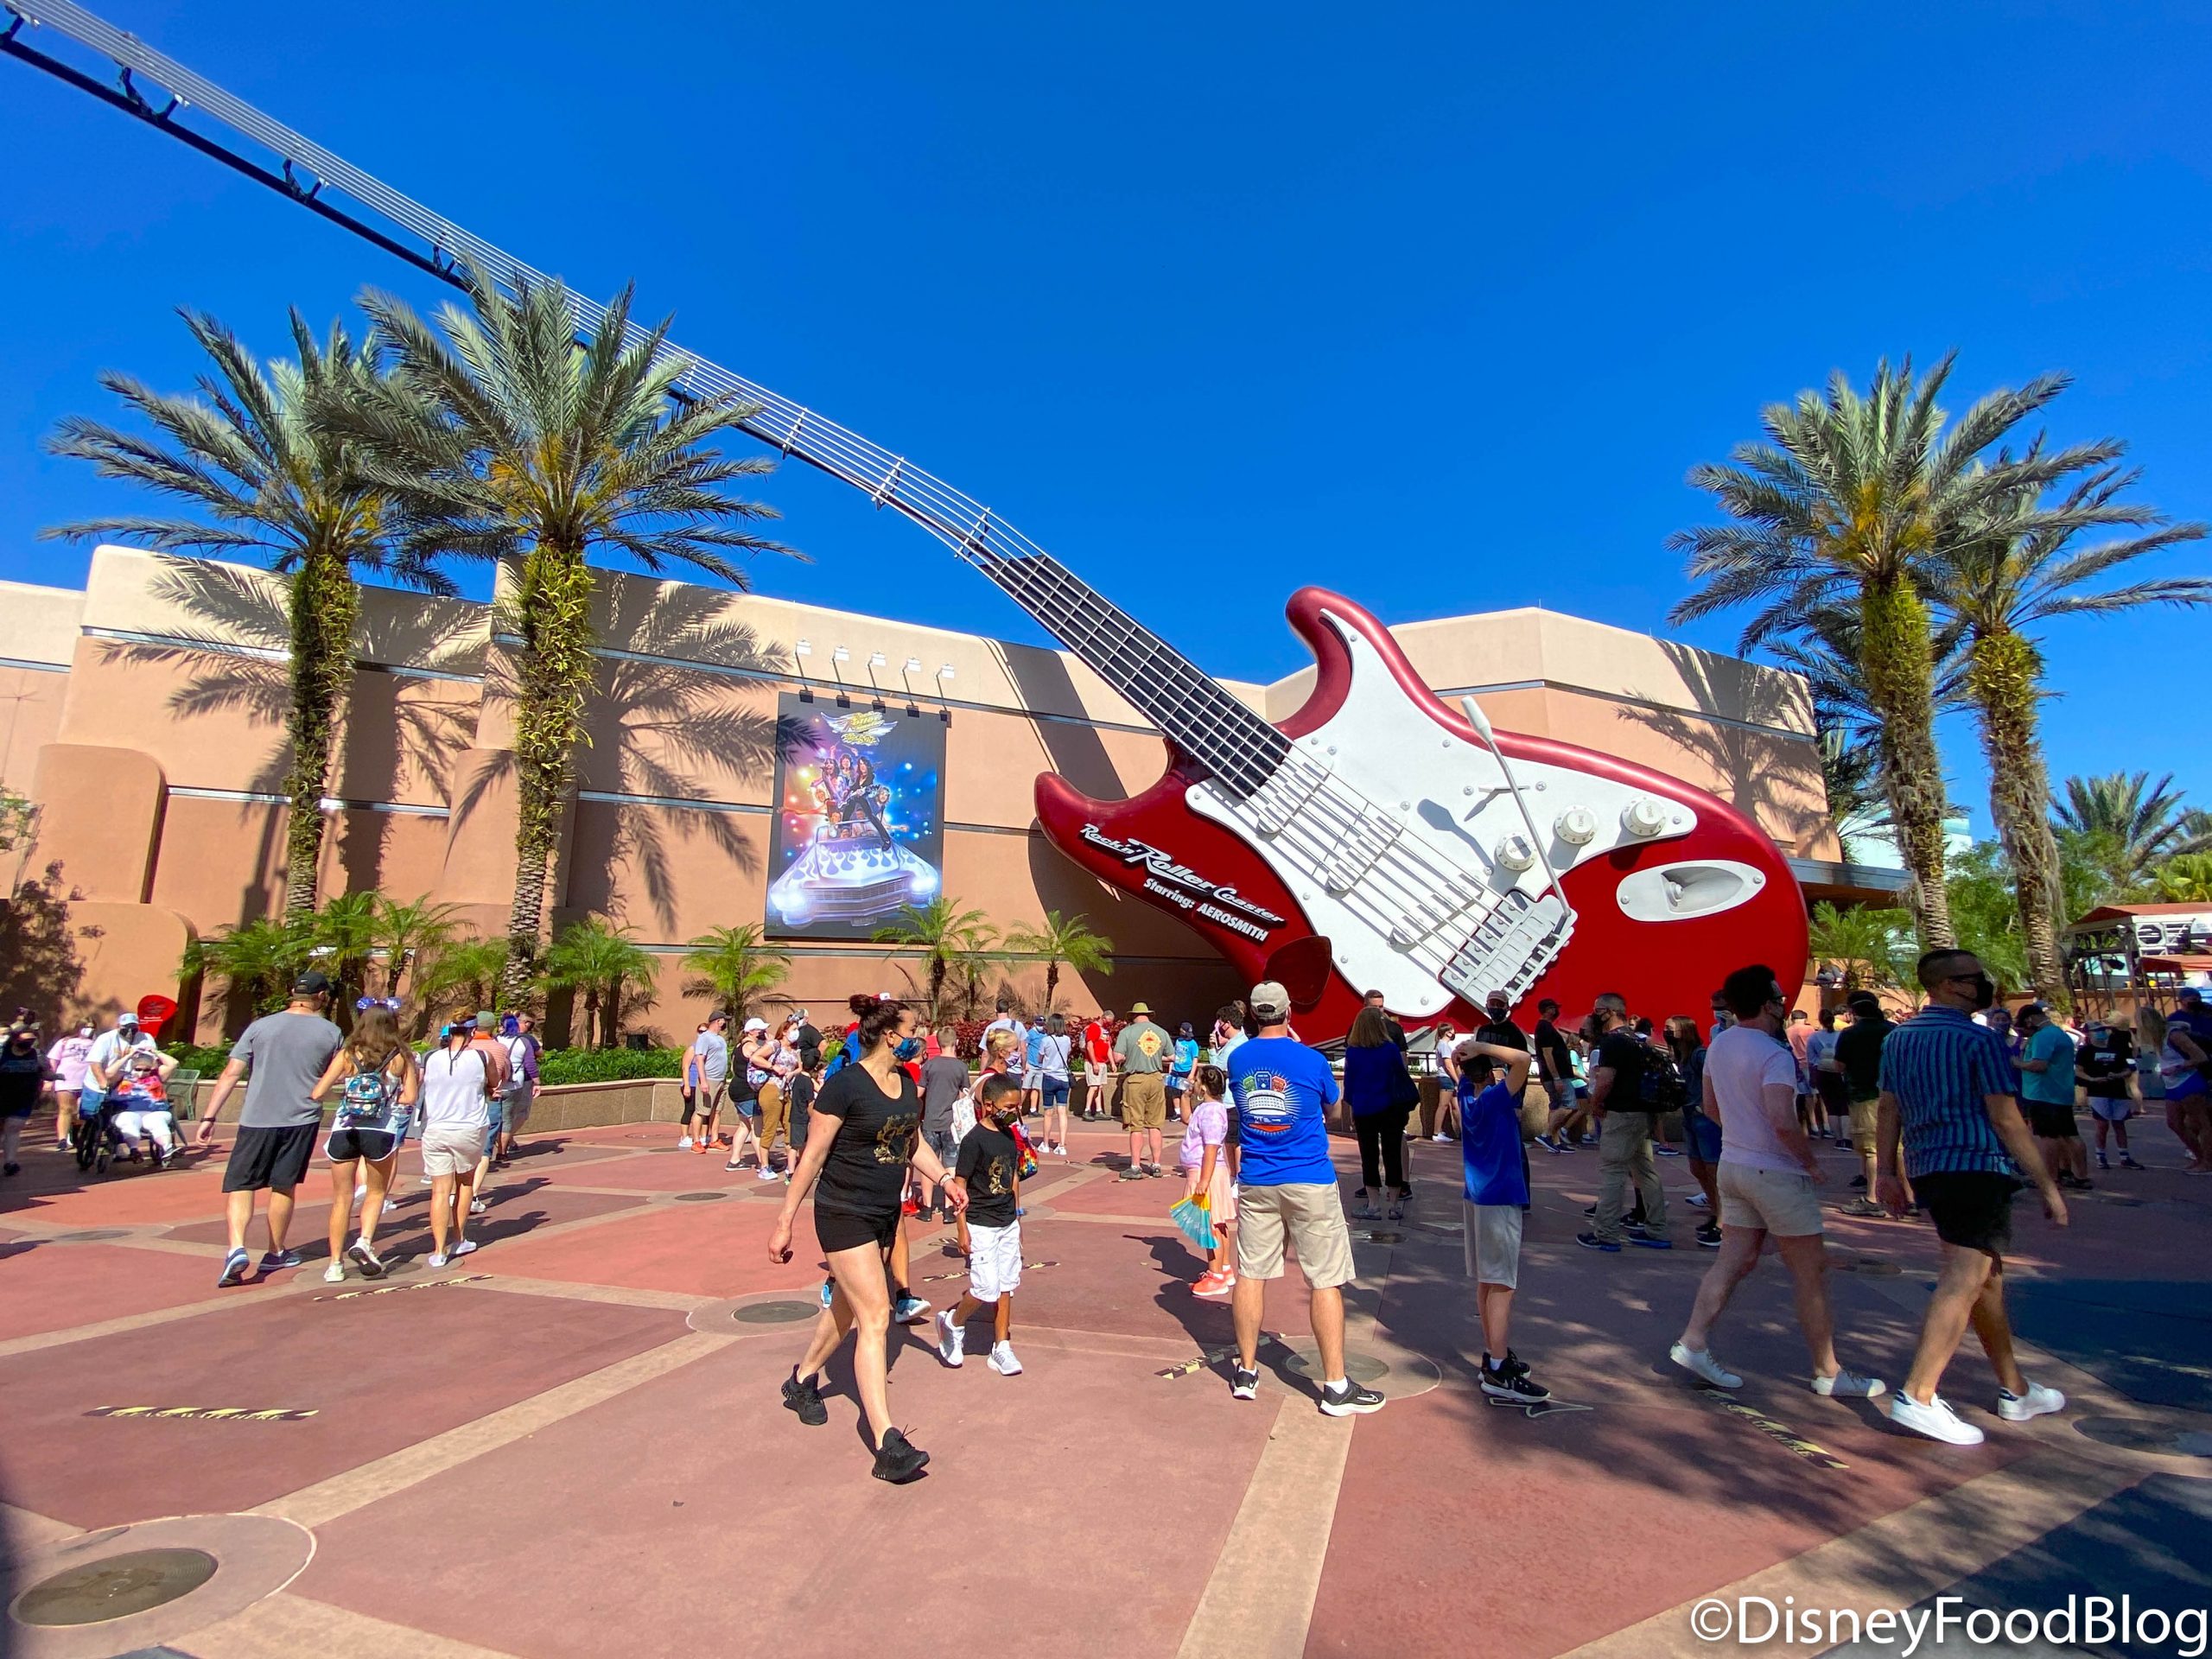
{"points": [[571, 1443]]}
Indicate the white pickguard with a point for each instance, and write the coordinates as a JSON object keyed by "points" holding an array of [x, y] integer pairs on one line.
{"points": [[1374, 877]]}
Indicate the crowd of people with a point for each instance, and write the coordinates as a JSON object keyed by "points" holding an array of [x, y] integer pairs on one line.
{"points": [[1947, 1113]]}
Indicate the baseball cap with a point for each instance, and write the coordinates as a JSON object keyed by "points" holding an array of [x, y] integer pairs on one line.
{"points": [[485, 1017], [719, 1013], [756, 1023], [128, 1017], [1269, 1001], [313, 982]]}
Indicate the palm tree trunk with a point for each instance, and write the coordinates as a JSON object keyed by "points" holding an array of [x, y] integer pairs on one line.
{"points": [[323, 602], [611, 1032], [1051, 985], [1897, 661], [2003, 673], [553, 676]]}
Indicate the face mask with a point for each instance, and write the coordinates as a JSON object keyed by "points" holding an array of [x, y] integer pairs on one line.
{"points": [[910, 1048], [1985, 991]]}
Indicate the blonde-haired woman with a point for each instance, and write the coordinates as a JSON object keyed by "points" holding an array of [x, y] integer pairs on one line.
{"points": [[378, 1081]]}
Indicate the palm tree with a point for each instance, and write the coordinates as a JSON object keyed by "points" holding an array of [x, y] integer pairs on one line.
{"points": [[257, 960], [947, 933], [1842, 509], [253, 454], [1870, 948], [545, 456], [409, 936], [601, 960], [2025, 570], [1060, 939], [342, 940], [733, 966], [456, 973], [2142, 821]]}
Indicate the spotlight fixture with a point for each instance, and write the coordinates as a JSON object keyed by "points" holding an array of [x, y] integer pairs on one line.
{"points": [[839, 654], [945, 673], [877, 660], [803, 648], [913, 665]]}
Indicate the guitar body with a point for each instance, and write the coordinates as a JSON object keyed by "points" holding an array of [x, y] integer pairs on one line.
{"points": [[1406, 865]]}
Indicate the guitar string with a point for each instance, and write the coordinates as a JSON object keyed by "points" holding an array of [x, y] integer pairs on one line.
{"points": [[1463, 896]]}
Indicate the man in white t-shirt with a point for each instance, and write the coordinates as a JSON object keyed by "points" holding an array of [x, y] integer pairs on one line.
{"points": [[1766, 1179]]}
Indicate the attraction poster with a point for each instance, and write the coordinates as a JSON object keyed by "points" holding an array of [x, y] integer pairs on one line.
{"points": [[859, 830]]}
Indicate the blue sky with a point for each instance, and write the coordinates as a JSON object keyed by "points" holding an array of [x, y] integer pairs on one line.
{"points": [[1432, 305]]}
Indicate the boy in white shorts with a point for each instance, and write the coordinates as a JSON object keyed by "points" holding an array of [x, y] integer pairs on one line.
{"points": [[989, 1171]]}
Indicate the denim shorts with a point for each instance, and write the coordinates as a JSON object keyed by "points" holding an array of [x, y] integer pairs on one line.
{"points": [[1052, 1093]]}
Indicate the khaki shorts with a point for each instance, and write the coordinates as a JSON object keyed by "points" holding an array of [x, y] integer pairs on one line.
{"points": [[1493, 1244], [1312, 1215], [1144, 1101], [452, 1149], [1773, 1200], [1865, 1115]]}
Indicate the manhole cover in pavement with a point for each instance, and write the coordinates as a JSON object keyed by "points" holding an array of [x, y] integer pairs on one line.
{"points": [[775, 1313], [114, 1588], [699, 1197], [92, 1236], [2141, 1434], [1362, 1367]]}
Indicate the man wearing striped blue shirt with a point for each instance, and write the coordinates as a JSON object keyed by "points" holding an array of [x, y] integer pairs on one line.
{"points": [[1948, 1104]]}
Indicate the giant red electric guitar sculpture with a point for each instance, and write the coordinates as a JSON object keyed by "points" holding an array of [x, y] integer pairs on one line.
{"points": [[1374, 841]]}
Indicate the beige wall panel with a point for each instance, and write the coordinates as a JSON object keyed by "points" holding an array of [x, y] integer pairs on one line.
{"points": [[42, 622], [216, 721], [399, 737], [670, 872], [31, 701], [480, 858], [128, 951], [99, 817], [400, 855], [222, 862], [658, 729]]}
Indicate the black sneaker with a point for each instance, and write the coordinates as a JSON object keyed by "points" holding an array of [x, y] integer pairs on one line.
{"points": [[1709, 1235], [234, 1267], [1502, 1384], [1511, 1365], [806, 1398], [1350, 1400], [1859, 1183], [896, 1459], [1592, 1241], [1640, 1234], [1243, 1384], [274, 1260]]}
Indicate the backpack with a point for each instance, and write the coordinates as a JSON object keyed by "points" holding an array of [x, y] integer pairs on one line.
{"points": [[1660, 1087], [369, 1095]]}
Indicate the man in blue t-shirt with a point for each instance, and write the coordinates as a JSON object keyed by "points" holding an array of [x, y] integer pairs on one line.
{"points": [[1491, 1078], [2046, 1066], [1287, 1182]]}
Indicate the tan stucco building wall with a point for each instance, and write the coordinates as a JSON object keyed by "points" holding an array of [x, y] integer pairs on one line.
{"points": [[148, 727]]}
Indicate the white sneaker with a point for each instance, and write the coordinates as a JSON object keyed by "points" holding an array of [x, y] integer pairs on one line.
{"points": [[466, 1247], [684, 1143], [1003, 1360], [361, 1191], [1699, 1363], [1439, 1137], [334, 1273], [1696, 1201], [477, 1206], [952, 1340], [390, 1205], [767, 1174], [2039, 1400], [1847, 1384], [436, 1260], [1935, 1420]]}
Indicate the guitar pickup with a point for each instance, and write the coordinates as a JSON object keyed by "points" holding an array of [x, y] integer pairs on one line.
{"points": [[1288, 788]]}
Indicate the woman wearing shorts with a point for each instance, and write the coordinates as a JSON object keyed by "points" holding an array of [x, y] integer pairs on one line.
{"points": [[456, 1111], [65, 1061], [377, 1080], [865, 1130]]}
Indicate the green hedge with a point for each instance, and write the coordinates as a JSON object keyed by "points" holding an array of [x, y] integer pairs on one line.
{"points": [[208, 1060], [608, 1064]]}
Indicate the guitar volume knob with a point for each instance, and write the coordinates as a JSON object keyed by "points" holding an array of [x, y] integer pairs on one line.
{"points": [[1515, 854], [1644, 817], [1577, 826]]}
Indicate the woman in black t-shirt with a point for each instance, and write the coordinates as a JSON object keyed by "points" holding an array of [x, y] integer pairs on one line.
{"points": [[864, 1133]]}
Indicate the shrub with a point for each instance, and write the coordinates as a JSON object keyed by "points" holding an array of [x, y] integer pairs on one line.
{"points": [[558, 1065], [209, 1059]]}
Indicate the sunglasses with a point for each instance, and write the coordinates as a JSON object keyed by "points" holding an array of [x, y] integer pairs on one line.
{"points": [[363, 1004]]}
